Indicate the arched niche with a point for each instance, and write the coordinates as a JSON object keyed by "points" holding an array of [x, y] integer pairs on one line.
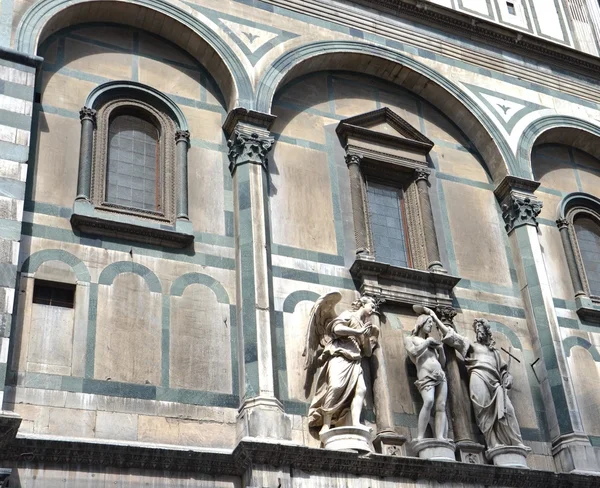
{"points": [[402, 70], [172, 20]]}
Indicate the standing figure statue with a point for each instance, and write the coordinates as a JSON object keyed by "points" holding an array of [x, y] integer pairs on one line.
{"points": [[489, 382], [337, 343], [428, 356]]}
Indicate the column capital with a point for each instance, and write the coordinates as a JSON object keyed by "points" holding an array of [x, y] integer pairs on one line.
{"points": [[520, 210], [446, 314], [242, 116], [422, 174], [87, 113], [182, 136], [353, 159], [248, 148], [562, 223]]}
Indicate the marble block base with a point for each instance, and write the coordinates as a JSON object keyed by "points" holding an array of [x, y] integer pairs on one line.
{"points": [[509, 456], [354, 438], [435, 449]]}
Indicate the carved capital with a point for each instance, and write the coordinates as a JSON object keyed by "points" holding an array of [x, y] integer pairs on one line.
{"points": [[422, 174], [520, 211], [446, 314], [562, 224], [182, 136], [248, 148], [87, 113], [353, 159]]}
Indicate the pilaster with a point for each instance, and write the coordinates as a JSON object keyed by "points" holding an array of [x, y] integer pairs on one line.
{"points": [[249, 141], [571, 447]]}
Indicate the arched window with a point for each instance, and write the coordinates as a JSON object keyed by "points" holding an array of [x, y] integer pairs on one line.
{"points": [[133, 166], [587, 231], [133, 174]]}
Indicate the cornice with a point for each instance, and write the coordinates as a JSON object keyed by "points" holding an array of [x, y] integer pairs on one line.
{"points": [[250, 453], [478, 28]]}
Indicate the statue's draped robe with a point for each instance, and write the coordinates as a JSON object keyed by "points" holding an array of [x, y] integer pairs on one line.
{"points": [[493, 409], [337, 379]]}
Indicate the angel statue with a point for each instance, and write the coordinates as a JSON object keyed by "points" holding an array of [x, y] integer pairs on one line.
{"points": [[337, 343]]}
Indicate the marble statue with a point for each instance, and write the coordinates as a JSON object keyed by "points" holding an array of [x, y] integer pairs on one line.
{"points": [[337, 343], [489, 383], [428, 356]]}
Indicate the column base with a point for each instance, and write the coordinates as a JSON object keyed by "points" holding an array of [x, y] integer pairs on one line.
{"points": [[389, 443], [263, 418], [434, 449], [509, 456], [573, 453], [350, 438], [470, 452]]}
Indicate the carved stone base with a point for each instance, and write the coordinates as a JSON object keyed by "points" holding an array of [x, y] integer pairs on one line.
{"points": [[434, 449], [263, 418], [509, 456], [389, 443], [354, 438], [470, 452]]}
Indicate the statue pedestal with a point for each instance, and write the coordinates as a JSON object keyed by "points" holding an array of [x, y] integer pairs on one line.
{"points": [[435, 449], [352, 438], [509, 456]]}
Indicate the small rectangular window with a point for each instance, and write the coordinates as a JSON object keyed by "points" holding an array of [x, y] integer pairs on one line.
{"points": [[54, 294], [511, 8]]}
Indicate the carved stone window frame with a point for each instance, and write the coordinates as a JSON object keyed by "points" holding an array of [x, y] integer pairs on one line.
{"points": [[166, 140], [571, 207], [399, 157], [170, 225]]}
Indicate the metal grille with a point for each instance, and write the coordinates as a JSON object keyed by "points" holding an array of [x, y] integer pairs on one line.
{"points": [[588, 239], [133, 172], [387, 224]]}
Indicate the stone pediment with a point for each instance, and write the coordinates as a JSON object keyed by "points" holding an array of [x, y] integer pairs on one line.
{"points": [[383, 131]]}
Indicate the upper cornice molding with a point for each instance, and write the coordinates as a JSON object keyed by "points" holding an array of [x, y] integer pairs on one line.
{"points": [[477, 28]]}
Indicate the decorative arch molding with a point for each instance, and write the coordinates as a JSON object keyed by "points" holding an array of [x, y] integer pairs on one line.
{"points": [[139, 91], [108, 275], [420, 79], [294, 298], [181, 283], [559, 129], [572, 341], [33, 262], [48, 16], [578, 199], [509, 333]]}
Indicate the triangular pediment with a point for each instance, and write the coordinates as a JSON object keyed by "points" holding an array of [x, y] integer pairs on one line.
{"points": [[383, 126]]}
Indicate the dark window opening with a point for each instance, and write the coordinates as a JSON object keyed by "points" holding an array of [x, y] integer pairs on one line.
{"points": [[387, 219], [54, 294], [588, 239], [511, 8], [133, 172]]}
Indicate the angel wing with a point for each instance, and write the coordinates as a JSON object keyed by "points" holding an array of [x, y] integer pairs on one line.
{"points": [[322, 313]]}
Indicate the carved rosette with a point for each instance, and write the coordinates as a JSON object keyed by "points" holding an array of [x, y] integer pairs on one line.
{"points": [[520, 211], [248, 148], [87, 113], [182, 136]]}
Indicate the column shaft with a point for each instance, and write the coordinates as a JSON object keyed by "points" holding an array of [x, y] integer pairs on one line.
{"points": [[563, 227], [84, 180], [182, 138], [431, 244], [361, 233]]}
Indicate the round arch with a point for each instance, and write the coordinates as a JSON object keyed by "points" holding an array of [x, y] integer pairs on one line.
{"points": [[115, 89], [558, 129], [171, 20], [402, 70]]}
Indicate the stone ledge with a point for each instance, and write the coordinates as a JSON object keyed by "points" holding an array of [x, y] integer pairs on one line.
{"points": [[280, 455]]}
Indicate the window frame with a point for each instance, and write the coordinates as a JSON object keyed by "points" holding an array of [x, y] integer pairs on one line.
{"points": [[166, 141], [571, 216]]}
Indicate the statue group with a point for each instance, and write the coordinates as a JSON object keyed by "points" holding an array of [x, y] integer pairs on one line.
{"points": [[337, 343]]}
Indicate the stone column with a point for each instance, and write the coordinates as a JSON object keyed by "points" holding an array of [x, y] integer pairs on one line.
{"points": [[86, 146], [563, 226], [357, 195], [261, 413], [571, 449], [387, 440], [469, 451], [431, 244], [182, 141]]}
